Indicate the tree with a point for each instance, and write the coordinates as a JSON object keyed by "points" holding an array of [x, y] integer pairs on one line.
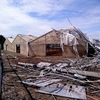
{"points": [[2, 40]]}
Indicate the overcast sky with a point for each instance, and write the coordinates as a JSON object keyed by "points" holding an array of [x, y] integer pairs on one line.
{"points": [[36, 17]]}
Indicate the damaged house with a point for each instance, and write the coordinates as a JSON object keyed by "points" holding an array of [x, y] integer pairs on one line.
{"points": [[19, 44], [46, 45], [70, 43]]}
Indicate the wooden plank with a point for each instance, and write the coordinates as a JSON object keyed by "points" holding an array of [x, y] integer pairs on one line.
{"points": [[25, 64]]}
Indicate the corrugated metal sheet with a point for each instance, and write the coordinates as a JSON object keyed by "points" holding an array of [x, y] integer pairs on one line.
{"points": [[68, 90]]}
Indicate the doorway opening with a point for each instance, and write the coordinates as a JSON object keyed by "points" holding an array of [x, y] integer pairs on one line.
{"points": [[17, 48]]}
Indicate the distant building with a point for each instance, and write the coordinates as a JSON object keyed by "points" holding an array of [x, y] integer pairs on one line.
{"points": [[8, 44], [19, 44], [96, 42]]}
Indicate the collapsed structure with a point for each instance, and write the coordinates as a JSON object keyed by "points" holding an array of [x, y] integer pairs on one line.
{"points": [[65, 77], [70, 43]]}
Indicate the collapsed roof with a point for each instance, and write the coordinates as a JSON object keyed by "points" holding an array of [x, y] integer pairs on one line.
{"points": [[71, 37]]}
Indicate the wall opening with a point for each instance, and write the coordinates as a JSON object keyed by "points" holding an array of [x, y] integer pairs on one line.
{"points": [[91, 51], [53, 50], [17, 48], [6, 46]]}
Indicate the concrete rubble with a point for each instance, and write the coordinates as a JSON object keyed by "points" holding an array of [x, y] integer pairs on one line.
{"points": [[52, 79]]}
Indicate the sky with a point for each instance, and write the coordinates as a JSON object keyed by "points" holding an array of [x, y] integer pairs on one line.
{"points": [[37, 17]]}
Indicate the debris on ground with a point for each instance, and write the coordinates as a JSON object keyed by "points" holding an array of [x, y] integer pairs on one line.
{"points": [[50, 78]]}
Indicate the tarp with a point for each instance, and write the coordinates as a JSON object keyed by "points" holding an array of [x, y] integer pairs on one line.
{"points": [[74, 37], [69, 39]]}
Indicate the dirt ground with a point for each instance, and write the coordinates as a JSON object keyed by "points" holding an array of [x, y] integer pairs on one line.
{"points": [[13, 89]]}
